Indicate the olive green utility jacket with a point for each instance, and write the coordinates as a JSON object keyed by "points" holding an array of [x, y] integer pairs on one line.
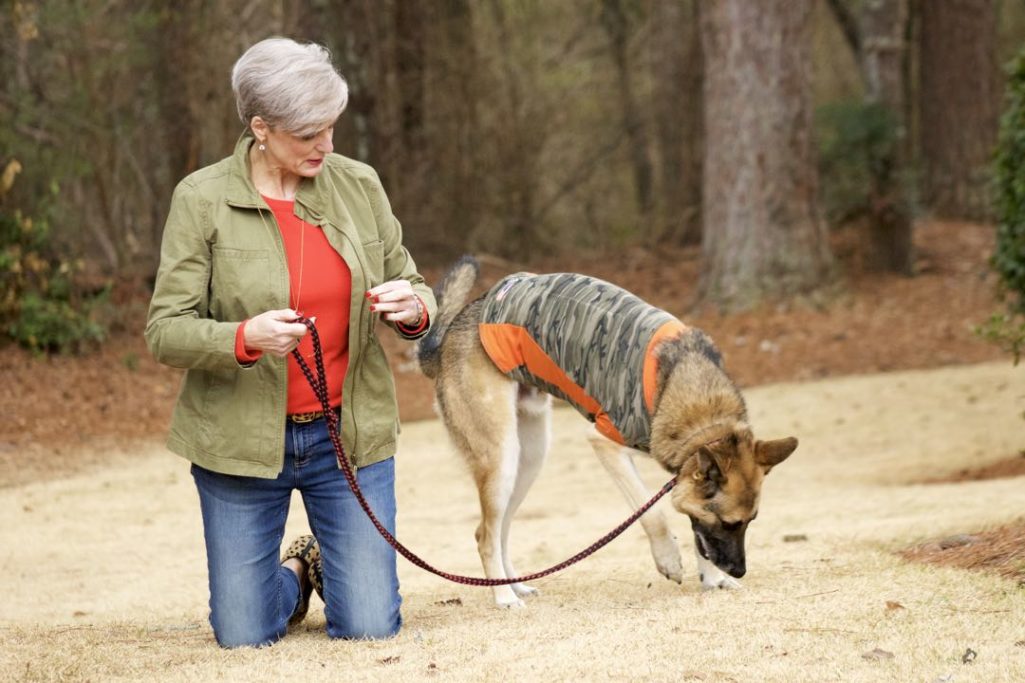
{"points": [[221, 263]]}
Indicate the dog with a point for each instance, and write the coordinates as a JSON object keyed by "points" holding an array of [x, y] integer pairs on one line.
{"points": [[649, 383]]}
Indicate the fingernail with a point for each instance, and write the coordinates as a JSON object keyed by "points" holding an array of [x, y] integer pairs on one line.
{"points": [[373, 309], [376, 299], [368, 294]]}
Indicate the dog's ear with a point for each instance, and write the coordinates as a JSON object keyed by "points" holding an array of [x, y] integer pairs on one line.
{"points": [[708, 476], [768, 454]]}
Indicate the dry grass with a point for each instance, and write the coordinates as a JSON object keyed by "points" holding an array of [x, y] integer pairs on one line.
{"points": [[106, 579]]}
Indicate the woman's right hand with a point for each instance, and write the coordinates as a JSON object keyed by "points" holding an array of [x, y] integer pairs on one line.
{"points": [[274, 332]]}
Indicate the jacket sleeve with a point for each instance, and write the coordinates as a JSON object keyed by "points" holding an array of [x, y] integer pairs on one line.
{"points": [[179, 332], [398, 264]]}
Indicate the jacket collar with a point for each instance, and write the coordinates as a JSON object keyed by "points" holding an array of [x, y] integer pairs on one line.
{"points": [[242, 192]]}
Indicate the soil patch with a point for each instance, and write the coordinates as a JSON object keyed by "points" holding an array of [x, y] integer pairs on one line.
{"points": [[1013, 466]]}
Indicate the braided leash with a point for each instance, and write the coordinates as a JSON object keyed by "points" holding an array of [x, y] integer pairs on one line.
{"points": [[319, 385]]}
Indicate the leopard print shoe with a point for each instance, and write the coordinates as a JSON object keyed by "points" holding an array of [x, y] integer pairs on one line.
{"points": [[305, 549], [316, 574]]}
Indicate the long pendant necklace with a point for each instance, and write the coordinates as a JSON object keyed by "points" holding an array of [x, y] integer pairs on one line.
{"points": [[302, 258]]}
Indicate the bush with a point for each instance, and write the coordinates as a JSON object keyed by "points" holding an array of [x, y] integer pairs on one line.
{"points": [[857, 144], [1008, 329], [41, 308]]}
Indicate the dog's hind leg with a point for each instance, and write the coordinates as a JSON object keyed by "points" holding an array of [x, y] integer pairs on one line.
{"points": [[533, 427], [480, 413], [619, 463]]}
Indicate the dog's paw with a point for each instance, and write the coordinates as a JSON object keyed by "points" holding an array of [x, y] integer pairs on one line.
{"points": [[506, 598], [515, 603], [713, 578], [524, 591], [721, 582], [667, 559]]}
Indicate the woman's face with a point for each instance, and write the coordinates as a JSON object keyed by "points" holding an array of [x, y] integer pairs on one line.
{"points": [[301, 155]]}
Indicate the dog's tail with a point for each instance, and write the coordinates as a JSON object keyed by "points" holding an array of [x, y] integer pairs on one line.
{"points": [[451, 294]]}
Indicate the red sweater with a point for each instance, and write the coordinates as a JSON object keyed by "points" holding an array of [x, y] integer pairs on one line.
{"points": [[325, 293]]}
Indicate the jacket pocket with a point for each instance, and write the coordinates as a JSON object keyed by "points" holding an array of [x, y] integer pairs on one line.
{"points": [[239, 282], [373, 252]]}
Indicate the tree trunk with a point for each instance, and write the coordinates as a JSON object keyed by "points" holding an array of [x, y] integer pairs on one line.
{"points": [[615, 22], [455, 189], [678, 108], [959, 102], [883, 58], [763, 235]]}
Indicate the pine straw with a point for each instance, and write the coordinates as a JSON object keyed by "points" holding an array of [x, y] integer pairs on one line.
{"points": [[107, 579], [1000, 550]]}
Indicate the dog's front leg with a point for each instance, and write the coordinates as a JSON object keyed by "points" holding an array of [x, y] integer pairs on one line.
{"points": [[711, 576], [619, 463]]}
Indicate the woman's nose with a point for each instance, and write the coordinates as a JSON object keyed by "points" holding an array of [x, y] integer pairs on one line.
{"points": [[326, 143]]}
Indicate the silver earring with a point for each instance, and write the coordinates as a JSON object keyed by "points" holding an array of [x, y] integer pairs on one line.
{"points": [[262, 147]]}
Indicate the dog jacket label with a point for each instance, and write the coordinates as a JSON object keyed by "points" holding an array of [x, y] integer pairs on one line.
{"points": [[582, 340]]}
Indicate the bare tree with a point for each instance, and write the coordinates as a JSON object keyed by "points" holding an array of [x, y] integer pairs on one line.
{"points": [[763, 234], [617, 25], [883, 59], [678, 109], [959, 100]]}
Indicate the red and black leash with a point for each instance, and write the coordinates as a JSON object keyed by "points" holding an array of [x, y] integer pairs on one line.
{"points": [[319, 385]]}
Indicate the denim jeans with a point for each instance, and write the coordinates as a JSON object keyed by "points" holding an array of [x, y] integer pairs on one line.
{"points": [[251, 595]]}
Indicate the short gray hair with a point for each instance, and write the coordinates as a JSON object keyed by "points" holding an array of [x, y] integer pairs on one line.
{"points": [[289, 85]]}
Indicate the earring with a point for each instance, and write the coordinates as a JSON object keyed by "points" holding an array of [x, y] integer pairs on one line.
{"points": [[262, 147]]}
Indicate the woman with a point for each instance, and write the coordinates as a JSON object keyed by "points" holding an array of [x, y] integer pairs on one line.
{"points": [[284, 228]]}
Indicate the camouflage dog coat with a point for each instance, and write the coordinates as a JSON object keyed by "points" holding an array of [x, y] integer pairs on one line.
{"points": [[582, 340]]}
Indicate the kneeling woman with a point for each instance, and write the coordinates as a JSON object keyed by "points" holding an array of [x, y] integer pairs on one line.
{"points": [[284, 228]]}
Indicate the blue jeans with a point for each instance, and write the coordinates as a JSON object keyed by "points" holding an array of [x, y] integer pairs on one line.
{"points": [[251, 595]]}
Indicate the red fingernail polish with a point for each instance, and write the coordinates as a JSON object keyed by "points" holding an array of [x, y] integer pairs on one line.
{"points": [[376, 299], [373, 309], [368, 294]]}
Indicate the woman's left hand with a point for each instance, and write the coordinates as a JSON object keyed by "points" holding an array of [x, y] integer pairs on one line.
{"points": [[396, 302]]}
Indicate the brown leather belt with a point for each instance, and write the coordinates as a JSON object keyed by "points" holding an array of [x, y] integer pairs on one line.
{"points": [[304, 418]]}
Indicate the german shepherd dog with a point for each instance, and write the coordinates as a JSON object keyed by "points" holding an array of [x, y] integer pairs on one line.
{"points": [[649, 383]]}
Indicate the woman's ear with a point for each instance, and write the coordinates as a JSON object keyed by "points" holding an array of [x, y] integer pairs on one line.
{"points": [[260, 128]]}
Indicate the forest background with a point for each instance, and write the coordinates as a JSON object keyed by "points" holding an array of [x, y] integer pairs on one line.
{"points": [[527, 128]]}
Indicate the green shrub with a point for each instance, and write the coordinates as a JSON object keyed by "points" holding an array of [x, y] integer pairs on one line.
{"points": [[857, 144], [1008, 329], [41, 308]]}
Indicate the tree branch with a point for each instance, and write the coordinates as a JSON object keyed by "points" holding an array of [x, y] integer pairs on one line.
{"points": [[848, 25]]}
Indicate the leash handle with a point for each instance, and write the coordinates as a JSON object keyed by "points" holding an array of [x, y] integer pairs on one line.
{"points": [[318, 383]]}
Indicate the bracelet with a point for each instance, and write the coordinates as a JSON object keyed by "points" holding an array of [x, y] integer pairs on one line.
{"points": [[419, 312]]}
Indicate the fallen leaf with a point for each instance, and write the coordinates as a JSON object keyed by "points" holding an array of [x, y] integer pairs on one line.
{"points": [[450, 601], [877, 655], [969, 656], [892, 606], [390, 660], [1020, 643], [794, 538]]}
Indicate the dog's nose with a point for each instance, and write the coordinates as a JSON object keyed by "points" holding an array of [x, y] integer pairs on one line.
{"points": [[737, 571]]}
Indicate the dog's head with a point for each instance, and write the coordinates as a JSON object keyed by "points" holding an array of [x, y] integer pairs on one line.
{"points": [[718, 487]]}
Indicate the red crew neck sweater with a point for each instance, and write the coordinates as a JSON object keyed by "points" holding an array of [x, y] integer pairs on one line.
{"points": [[320, 287]]}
